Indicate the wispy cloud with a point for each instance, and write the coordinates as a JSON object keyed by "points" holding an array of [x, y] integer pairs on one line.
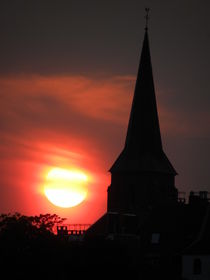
{"points": [[73, 121]]}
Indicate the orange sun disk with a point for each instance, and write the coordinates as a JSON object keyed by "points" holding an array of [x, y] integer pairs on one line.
{"points": [[65, 188]]}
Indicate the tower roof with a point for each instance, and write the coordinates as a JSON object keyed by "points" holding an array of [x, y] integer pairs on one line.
{"points": [[143, 129], [143, 146]]}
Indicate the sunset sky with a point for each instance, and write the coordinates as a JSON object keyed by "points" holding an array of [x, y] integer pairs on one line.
{"points": [[67, 76]]}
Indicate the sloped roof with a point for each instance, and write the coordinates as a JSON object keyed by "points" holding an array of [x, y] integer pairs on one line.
{"points": [[143, 146], [145, 162]]}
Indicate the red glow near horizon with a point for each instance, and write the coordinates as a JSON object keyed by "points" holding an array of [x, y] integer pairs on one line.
{"points": [[90, 184], [67, 122], [58, 122]]}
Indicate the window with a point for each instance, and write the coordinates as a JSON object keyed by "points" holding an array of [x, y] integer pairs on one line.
{"points": [[197, 266], [155, 238]]}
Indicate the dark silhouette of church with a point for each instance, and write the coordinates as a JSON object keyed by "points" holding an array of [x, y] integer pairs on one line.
{"points": [[143, 204], [144, 208], [142, 177]]}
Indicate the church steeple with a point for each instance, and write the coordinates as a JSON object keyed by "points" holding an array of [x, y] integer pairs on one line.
{"points": [[143, 130], [142, 176], [143, 146]]}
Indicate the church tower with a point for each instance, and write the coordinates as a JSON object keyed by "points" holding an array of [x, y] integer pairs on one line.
{"points": [[142, 176]]}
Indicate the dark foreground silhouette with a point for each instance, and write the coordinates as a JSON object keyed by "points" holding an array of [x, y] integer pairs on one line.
{"points": [[30, 250]]}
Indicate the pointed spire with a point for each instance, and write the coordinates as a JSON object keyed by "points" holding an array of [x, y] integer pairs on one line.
{"points": [[143, 146], [143, 129]]}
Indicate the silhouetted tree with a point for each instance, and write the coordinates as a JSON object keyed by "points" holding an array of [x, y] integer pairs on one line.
{"points": [[32, 224], [22, 235], [46, 222]]}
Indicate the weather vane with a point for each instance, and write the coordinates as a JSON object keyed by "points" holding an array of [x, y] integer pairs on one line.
{"points": [[147, 17]]}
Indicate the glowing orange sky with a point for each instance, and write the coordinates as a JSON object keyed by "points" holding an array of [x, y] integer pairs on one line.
{"points": [[67, 77], [58, 122], [69, 122]]}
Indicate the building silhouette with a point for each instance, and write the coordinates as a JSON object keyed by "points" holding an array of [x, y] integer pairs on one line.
{"points": [[142, 176], [143, 203]]}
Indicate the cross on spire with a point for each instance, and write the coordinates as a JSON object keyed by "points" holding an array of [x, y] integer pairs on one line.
{"points": [[147, 10]]}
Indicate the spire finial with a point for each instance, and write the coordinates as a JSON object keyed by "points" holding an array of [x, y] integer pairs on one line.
{"points": [[147, 18]]}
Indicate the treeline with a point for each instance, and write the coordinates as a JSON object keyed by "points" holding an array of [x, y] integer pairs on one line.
{"points": [[29, 249]]}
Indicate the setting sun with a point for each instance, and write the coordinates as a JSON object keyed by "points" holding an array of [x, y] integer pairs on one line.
{"points": [[65, 188]]}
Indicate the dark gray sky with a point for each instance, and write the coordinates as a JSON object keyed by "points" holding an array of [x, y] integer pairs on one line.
{"points": [[55, 56], [103, 36]]}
